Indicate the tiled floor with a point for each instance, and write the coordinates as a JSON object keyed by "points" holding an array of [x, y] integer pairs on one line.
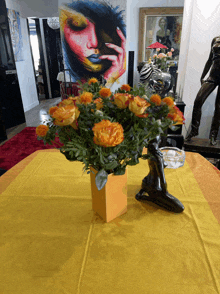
{"points": [[34, 117]]}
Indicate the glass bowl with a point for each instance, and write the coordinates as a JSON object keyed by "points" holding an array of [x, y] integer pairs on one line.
{"points": [[173, 157]]}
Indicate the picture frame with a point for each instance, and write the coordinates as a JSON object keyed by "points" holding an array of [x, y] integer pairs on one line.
{"points": [[159, 24]]}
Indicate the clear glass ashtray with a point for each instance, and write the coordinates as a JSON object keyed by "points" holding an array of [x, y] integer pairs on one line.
{"points": [[173, 157]]}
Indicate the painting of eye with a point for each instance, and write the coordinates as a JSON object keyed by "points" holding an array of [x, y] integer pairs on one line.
{"points": [[75, 25]]}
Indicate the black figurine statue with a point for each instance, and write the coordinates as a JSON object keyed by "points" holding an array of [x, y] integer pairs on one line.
{"points": [[154, 184], [207, 87]]}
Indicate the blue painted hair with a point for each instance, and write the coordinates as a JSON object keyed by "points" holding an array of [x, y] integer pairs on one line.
{"points": [[104, 16]]}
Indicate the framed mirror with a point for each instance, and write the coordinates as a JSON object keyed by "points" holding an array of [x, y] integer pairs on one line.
{"points": [[160, 24]]}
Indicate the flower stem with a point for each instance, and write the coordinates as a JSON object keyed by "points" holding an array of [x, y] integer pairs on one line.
{"points": [[57, 143]]}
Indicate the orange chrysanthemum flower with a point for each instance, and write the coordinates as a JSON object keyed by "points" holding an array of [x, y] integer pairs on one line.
{"points": [[108, 134], [42, 130], [168, 100], [92, 81], [156, 99], [86, 98], [52, 110], [105, 92], [99, 103], [126, 87]]}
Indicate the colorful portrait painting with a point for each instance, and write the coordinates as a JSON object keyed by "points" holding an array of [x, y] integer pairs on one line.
{"points": [[16, 34], [94, 40]]}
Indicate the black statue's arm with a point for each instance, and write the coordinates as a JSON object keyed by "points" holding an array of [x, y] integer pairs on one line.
{"points": [[208, 64]]}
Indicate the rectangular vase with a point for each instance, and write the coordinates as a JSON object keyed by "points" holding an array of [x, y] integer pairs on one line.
{"points": [[111, 201]]}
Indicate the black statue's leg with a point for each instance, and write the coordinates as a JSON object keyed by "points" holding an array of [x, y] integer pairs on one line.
{"points": [[205, 90], [215, 120], [154, 184]]}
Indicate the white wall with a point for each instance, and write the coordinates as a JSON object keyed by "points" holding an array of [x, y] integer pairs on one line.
{"points": [[133, 24], [39, 8], [24, 68], [201, 25]]}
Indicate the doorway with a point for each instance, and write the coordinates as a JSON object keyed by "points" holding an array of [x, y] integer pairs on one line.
{"points": [[38, 59], [47, 56]]}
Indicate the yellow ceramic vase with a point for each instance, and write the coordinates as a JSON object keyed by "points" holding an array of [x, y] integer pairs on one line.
{"points": [[111, 201]]}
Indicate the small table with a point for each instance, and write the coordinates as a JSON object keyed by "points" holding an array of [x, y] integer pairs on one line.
{"points": [[203, 147], [52, 242]]}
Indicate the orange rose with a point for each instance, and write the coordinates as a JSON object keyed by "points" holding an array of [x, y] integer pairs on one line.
{"points": [[66, 115], [108, 134], [126, 87], [92, 81], [42, 130], [172, 116], [98, 103], [121, 100], [156, 99], [176, 115], [52, 110], [138, 105], [86, 98], [69, 101], [105, 92], [74, 100], [168, 100]]}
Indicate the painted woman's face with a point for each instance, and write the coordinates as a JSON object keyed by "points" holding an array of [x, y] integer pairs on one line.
{"points": [[81, 36], [83, 41], [99, 48], [162, 23]]}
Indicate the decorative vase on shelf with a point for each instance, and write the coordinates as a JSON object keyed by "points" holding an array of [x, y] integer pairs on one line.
{"points": [[111, 201], [154, 186]]}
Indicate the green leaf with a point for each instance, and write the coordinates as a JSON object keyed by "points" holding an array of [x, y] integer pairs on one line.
{"points": [[120, 170], [111, 165], [145, 156], [101, 179], [77, 153], [111, 157], [174, 128], [101, 158], [134, 160]]}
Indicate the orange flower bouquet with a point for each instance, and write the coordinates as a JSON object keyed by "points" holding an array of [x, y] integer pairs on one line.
{"points": [[108, 131]]}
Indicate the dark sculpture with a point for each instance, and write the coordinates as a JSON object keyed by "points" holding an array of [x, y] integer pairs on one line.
{"points": [[154, 184], [207, 87]]}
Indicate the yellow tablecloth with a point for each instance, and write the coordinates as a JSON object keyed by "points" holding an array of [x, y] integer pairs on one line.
{"points": [[52, 243]]}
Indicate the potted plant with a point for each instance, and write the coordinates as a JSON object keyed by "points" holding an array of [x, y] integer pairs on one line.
{"points": [[160, 59], [107, 131]]}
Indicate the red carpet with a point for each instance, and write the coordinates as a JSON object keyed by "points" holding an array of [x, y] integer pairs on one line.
{"points": [[20, 146]]}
